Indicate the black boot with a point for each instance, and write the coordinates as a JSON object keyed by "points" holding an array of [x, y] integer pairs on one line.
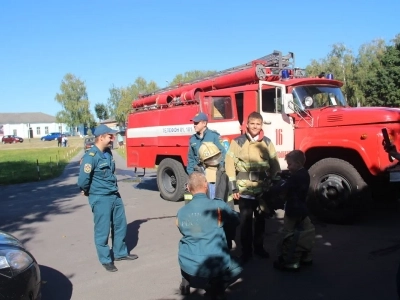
{"points": [[281, 264], [184, 287]]}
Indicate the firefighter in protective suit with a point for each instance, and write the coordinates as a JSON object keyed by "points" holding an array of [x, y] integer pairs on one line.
{"points": [[218, 182], [210, 157]]}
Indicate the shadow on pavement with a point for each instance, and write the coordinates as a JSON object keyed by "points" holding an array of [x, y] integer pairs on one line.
{"points": [[22, 205], [350, 262], [147, 183], [132, 236], [55, 285]]}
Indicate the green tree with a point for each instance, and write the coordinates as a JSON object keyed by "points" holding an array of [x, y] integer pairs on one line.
{"points": [[396, 39], [189, 76], [113, 102], [121, 99], [340, 61], [101, 111], [383, 89], [74, 100], [367, 63]]}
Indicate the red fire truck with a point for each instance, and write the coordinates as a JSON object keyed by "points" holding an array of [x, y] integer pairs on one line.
{"points": [[343, 144]]}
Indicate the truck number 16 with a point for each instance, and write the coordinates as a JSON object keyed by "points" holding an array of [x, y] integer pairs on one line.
{"points": [[279, 137]]}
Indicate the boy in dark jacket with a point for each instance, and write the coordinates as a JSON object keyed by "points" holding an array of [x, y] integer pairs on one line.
{"points": [[298, 235]]}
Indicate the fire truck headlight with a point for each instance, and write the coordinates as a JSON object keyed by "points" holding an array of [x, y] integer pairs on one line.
{"points": [[308, 101], [329, 76]]}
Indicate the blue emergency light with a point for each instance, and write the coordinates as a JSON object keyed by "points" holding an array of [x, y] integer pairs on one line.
{"points": [[329, 76], [285, 74]]}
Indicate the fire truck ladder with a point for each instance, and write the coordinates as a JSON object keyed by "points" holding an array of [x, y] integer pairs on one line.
{"points": [[275, 61]]}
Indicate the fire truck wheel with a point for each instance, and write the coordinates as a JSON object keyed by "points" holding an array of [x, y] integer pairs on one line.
{"points": [[337, 191], [171, 179]]}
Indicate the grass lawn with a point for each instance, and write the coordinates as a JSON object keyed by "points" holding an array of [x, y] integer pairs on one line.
{"points": [[121, 151], [21, 162]]}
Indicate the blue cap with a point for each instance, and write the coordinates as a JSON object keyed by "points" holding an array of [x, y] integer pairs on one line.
{"points": [[200, 117], [103, 129]]}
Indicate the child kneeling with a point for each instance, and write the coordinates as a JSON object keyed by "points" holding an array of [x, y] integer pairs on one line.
{"points": [[298, 235]]}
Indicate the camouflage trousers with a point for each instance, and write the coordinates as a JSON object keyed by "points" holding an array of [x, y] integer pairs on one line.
{"points": [[296, 240]]}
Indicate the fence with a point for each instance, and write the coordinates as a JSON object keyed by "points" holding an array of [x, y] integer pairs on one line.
{"points": [[31, 168]]}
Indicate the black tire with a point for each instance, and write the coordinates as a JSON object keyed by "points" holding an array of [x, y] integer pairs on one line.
{"points": [[171, 179], [338, 193]]}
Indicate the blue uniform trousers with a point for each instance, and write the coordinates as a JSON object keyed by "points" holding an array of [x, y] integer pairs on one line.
{"points": [[108, 212], [226, 278]]}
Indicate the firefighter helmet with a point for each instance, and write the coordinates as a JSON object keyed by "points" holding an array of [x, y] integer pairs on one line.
{"points": [[209, 154]]}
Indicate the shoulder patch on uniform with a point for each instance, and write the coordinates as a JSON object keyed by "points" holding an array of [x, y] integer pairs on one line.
{"points": [[92, 153], [87, 168]]}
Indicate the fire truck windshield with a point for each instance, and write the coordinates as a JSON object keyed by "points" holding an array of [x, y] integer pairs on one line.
{"points": [[315, 96]]}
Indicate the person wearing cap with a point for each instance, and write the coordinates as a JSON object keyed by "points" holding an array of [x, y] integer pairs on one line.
{"points": [[97, 180], [203, 134]]}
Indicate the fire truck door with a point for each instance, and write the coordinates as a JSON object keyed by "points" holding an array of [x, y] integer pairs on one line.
{"points": [[277, 126]]}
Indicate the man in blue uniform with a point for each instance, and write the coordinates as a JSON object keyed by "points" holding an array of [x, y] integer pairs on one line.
{"points": [[203, 134], [203, 254], [98, 181]]}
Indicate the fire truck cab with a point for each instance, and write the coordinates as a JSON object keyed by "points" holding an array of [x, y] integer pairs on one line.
{"points": [[343, 144]]}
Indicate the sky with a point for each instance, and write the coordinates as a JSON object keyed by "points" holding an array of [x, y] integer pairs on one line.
{"points": [[111, 43]]}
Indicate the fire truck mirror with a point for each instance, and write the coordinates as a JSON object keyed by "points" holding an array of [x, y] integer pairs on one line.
{"points": [[288, 105]]}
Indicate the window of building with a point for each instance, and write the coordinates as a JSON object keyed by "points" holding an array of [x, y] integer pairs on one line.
{"points": [[37, 130], [221, 108], [15, 132], [46, 130]]}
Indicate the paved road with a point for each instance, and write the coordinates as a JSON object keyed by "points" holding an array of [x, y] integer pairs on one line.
{"points": [[55, 223]]}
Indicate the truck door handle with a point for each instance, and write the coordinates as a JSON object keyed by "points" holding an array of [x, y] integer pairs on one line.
{"points": [[267, 122]]}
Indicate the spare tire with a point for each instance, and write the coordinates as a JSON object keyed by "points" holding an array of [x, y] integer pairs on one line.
{"points": [[171, 179]]}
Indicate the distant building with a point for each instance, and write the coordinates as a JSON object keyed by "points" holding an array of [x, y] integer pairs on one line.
{"points": [[30, 125], [83, 129], [111, 123]]}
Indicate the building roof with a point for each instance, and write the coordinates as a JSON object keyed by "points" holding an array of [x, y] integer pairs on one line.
{"points": [[108, 121], [18, 118]]}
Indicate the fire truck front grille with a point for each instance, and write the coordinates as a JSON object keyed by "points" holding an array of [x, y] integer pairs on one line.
{"points": [[335, 118]]}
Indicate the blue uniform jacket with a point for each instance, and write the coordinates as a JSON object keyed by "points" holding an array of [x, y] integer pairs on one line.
{"points": [[195, 143], [96, 175], [203, 250]]}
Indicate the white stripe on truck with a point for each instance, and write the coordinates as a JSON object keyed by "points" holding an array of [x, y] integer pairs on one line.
{"points": [[223, 128]]}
